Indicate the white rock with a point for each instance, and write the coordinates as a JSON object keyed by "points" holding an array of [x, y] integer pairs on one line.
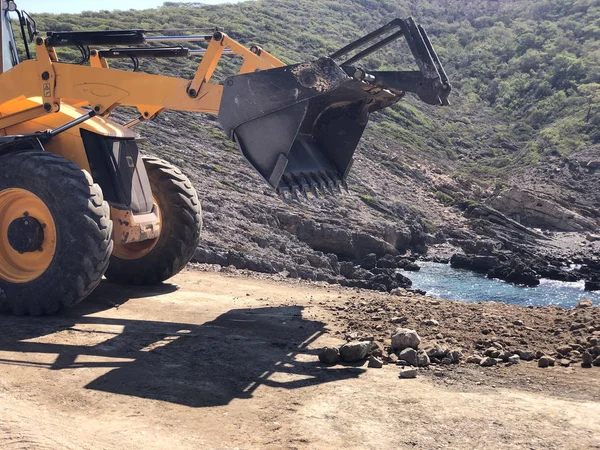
{"points": [[408, 373], [405, 338]]}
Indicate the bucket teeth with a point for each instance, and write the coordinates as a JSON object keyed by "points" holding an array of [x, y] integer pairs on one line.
{"points": [[337, 181], [316, 183], [304, 186], [285, 194], [328, 182], [313, 185], [320, 182]]}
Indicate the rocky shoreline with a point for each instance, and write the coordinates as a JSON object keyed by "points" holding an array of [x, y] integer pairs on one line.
{"points": [[502, 249]]}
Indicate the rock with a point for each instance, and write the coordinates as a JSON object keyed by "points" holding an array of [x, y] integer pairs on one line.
{"points": [[515, 272], [329, 355], [417, 291], [375, 363], [526, 355], [354, 351], [492, 352], [564, 349], [474, 359], [209, 256], [481, 264], [412, 267], [564, 362], [488, 362], [446, 361], [387, 262], [402, 319], [546, 361], [482, 247], [408, 373], [455, 356], [403, 282], [587, 359], [585, 303], [385, 280], [592, 237], [431, 323], [405, 338], [436, 351], [346, 269], [375, 350], [518, 323], [369, 262], [514, 359], [592, 285], [409, 355], [535, 211], [504, 356], [422, 359], [596, 361], [392, 358]]}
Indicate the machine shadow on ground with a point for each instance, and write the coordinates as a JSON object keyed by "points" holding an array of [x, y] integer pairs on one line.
{"points": [[193, 365]]}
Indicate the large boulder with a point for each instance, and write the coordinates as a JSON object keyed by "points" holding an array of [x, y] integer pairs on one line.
{"points": [[527, 208], [355, 351], [403, 282], [329, 355], [515, 272], [409, 355], [405, 338], [387, 262], [481, 264], [592, 285], [369, 262]]}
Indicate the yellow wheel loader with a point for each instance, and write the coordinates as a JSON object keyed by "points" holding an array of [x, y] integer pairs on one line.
{"points": [[77, 199]]}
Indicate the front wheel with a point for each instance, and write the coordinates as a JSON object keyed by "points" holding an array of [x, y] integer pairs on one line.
{"points": [[55, 233], [153, 261]]}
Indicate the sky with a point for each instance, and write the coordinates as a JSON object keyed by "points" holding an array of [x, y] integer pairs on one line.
{"points": [[76, 6]]}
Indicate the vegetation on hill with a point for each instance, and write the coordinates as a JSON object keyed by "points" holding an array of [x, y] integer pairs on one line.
{"points": [[525, 74]]}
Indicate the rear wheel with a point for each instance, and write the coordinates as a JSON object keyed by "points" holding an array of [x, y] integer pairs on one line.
{"points": [[55, 233], [156, 260]]}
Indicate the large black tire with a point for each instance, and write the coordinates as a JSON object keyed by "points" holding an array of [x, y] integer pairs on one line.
{"points": [[181, 225], [83, 232]]}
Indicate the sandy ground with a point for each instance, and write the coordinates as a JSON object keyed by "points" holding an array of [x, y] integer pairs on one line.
{"points": [[223, 361]]}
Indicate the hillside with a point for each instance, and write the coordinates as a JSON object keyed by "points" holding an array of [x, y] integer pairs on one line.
{"points": [[525, 113]]}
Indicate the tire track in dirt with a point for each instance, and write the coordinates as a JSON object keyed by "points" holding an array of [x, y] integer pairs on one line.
{"points": [[16, 434]]}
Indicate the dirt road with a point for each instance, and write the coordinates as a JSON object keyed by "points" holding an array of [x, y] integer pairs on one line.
{"points": [[224, 361]]}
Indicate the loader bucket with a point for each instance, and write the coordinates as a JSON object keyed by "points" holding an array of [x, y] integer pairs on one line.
{"points": [[299, 125]]}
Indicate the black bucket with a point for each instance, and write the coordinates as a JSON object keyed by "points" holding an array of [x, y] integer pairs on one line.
{"points": [[299, 125]]}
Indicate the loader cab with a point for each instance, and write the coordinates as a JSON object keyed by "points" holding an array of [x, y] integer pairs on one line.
{"points": [[10, 58]]}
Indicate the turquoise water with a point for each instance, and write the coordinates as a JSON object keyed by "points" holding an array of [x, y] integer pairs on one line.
{"points": [[442, 281]]}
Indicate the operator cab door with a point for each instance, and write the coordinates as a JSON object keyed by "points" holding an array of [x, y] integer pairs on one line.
{"points": [[8, 47]]}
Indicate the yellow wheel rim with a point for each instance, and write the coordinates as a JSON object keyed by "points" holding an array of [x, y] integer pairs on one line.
{"points": [[19, 205], [137, 250]]}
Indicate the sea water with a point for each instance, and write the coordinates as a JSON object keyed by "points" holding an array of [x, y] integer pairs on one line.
{"points": [[442, 281]]}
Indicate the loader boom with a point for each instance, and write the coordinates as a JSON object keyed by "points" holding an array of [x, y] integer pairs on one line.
{"points": [[105, 89]]}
